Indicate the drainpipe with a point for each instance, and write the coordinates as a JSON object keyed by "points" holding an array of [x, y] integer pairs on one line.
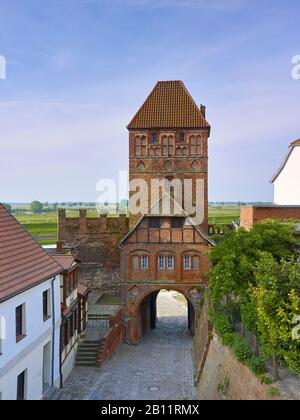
{"points": [[53, 331]]}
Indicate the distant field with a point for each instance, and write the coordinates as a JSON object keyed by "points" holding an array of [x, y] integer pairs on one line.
{"points": [[46, 223]]}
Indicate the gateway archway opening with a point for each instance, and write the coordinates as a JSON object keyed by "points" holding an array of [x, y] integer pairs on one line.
{"points": [[166, 312]]}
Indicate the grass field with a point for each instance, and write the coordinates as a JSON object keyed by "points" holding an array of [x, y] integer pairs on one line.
{"points": [[46, 223]]}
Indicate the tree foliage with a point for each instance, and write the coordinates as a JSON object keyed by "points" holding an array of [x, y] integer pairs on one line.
{"points": [[278, 300], [36, 207]]}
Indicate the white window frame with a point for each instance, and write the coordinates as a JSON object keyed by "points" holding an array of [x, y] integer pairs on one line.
{"points": [[161, 259], [170, 258], [144, 262], [187, 262]]}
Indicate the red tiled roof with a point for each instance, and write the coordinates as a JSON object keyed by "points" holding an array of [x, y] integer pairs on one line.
{"points": [[65, 261], [23, 262], [81, 289], [169, 105]]}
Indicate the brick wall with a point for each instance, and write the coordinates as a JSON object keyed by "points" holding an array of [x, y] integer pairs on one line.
{"points": [[112, 339], [203, 334], [225, 378], [95, 242], [250, 215]]}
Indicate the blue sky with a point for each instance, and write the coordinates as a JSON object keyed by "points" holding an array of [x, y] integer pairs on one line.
{"points": [[77, 70]]}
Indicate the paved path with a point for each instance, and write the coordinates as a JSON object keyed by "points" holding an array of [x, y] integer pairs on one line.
{"points": [[159, 368]]}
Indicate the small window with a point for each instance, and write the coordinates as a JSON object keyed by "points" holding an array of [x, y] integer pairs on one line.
{"points": [[21, 386], [144, 262], [170, 263], [20, 322], [154, 223], [187, 262], [154, 138], [144, 146], [181, 137], [46, 305], [177, 222], [161, 262], [135, 262]]}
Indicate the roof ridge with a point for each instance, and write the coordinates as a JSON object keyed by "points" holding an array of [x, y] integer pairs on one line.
{"points": [[169, 105]]}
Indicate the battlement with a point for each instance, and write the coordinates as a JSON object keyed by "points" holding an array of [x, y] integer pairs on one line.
{"points": [[92, 229]]}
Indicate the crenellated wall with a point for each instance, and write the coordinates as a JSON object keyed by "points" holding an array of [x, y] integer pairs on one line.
{"points": [[95, 242]]}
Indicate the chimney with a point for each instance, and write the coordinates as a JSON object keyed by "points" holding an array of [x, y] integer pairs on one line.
{"points": [[59, 246], [203, 110]]}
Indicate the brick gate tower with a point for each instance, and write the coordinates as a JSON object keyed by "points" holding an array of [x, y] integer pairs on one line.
{"points": [[168, 140]]}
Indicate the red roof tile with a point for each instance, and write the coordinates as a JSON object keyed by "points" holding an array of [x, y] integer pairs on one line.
{"points": [[169, 105], [81, 289], [23, 262], [65, 261]]}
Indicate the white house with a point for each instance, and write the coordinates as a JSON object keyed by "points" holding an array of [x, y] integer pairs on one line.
{"points": [[287, 179], [30, 315]]}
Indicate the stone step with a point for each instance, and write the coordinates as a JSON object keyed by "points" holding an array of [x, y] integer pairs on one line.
{"points": [[85, 364]]}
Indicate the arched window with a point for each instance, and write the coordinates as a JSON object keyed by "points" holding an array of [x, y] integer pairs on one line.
{"points": [[178, 151], [168, 146], [165, 146], [195, 145], [154, 138], [138, 144], [185, 151], [157, 151], [151, 151], [199, 145], [144, 145]]}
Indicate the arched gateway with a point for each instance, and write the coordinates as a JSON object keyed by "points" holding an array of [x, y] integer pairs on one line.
{"points": [[141, 315], [166, 249]]}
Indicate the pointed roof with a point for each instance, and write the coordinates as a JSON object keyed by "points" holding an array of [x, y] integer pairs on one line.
{"points": [[158, 210], [169, 105], [294, 144], [23, 262]]}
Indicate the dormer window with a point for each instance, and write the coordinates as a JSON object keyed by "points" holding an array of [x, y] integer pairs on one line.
{"points": [[154, 138]]}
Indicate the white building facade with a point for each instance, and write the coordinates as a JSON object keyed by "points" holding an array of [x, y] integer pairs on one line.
{"points": [[30, 314], [30, 362], [287, 179]]}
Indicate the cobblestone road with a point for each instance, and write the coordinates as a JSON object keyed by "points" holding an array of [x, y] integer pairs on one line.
{"points": [[159, 368]]}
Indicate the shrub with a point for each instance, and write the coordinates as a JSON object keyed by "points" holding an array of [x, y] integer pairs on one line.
{"points": [[257, 365], [240, 348], [221, 323]]}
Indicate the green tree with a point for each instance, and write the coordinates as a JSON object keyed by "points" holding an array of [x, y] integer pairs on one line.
{"points": [[236, 254], [278, 301], [36, 207]]}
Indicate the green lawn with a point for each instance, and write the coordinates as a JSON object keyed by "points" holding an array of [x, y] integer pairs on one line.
{"points": [[46, 223]]}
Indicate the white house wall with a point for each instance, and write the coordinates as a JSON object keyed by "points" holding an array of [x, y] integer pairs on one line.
{"points": [[287, 184], [27, 354]]}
